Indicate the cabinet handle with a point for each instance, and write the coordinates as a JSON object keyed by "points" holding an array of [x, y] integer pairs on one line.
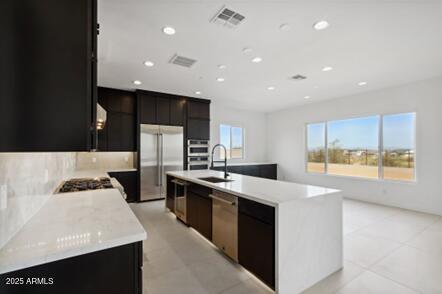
{"points": [[221, 199]]}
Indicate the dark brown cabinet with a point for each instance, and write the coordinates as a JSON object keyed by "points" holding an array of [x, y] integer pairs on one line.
{"points": [[198, 129], [198, 120], [198, 109], [128, 180], [170, 194], [192, 210], [114, 271], [148, 109], [268, 171], [256, 239], [161, 108], [199, 209], [177, 111], [163, 111], [48, 76], [119, 132]]}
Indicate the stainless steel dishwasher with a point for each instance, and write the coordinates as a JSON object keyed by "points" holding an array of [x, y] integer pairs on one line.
{"points": [[225, 223]]}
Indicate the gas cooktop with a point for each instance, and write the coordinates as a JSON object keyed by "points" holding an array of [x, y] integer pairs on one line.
{"points": [[84, 184]]}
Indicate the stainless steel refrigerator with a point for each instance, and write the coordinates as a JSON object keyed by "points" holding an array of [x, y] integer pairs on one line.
{"points": [[161, 150]]}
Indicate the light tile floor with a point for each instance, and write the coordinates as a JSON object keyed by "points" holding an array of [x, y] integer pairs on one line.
{"points": [[386, 250]]}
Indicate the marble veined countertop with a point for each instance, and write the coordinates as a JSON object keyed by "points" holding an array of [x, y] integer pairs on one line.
{"points": [[72, 224], [266, 191]]}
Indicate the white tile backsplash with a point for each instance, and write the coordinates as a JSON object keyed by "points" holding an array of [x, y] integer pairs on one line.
{"points": [[105, 160], [26, 182]]}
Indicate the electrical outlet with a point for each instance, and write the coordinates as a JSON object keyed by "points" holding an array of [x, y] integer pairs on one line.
{"points": [[3, 197], [126, 159], [94, 159]]}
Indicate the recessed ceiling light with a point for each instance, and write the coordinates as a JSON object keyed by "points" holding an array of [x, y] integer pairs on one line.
{"points": [[221, 66], [362, 83], [247, 50], [320, 25], [198, 92], [284, 27], [327, 68], [306, 97], [220, 79], [271, 88], [137, 82], [148, 63], [257, 59], [169, 31]]}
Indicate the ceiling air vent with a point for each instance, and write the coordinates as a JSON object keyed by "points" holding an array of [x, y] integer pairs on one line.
{"points": [[298, 77], [228, 18], [181, 60]]}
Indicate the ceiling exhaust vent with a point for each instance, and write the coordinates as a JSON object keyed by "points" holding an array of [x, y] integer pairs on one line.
{"points": [[227, 17], [182, 61], [298, 77]]}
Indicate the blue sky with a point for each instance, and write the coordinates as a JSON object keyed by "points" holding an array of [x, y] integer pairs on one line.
{"points": [[363, 132]]}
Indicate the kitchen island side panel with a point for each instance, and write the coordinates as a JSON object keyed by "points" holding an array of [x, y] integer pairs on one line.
{"points": [[309, 243]]}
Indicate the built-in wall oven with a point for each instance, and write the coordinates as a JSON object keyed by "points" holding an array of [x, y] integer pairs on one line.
{"points": [[198, 154]]}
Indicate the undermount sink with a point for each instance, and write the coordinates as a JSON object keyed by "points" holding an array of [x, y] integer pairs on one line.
{"points": [[215, 180]]}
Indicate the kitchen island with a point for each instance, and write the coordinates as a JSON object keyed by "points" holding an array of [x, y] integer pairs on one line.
{"points": [[289, 235]]}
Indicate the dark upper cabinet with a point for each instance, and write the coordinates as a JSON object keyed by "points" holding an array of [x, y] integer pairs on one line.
{"points": [[148, 109], [198, 109], [198, 119], [256, 237], [198, 129], [161, 108], [119, 132], [163, 111], [128, 132], [113, 130], [48, 76], [177, 111]]}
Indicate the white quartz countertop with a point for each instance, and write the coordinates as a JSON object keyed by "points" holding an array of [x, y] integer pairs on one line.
{"points": [[72, 224], [266, 191]]}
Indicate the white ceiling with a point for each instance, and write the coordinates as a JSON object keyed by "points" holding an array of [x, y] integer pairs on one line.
{"points": [[384, 43]]}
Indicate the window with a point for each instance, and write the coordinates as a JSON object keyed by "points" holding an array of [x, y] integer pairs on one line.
{"points": [[353, 147], [233, 138], [398, 151], [316, 148]]}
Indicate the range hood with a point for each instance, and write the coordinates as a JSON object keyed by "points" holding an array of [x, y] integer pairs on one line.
{"points": [[101, 117]]}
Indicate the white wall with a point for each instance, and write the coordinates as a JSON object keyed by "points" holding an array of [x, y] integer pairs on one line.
{"points": [[254, 123], [286, 144]]}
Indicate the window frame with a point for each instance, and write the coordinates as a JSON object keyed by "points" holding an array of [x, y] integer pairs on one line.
{"points": [[380, 148], [243, 156]]}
